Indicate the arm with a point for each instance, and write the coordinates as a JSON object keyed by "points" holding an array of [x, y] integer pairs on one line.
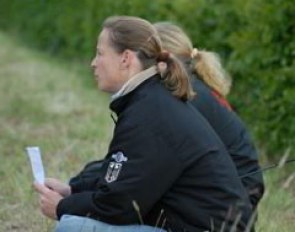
{"points": [[87, 178], [149, 159]]}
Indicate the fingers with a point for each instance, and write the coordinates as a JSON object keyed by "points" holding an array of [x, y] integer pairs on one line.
{"points": [[54, 184], [50, 182], [40, 188], [58, 186]]}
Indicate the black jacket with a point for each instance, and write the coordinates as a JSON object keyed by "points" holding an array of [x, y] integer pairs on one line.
{"points": [[163, 156], [233, 133]]}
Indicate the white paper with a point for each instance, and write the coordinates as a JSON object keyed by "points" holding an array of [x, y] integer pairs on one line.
{"points": [[36, 163]]}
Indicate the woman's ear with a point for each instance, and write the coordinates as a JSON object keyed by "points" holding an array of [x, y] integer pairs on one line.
{"points": [[127, 58]]}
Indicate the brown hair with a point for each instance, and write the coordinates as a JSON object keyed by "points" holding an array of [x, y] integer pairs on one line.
{"points": [[205, 64], [139, 35]]}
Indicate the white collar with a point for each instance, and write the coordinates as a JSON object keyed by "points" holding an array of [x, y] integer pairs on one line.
{"points": [[135, 81]]}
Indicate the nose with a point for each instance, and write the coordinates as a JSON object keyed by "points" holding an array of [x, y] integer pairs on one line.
{"points": [[93, 62]]}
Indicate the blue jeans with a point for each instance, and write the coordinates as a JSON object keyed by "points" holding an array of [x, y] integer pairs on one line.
{"points": [[71, 223]]}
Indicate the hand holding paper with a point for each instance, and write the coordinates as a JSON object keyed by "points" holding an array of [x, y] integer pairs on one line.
{"points": [[36, 163]]}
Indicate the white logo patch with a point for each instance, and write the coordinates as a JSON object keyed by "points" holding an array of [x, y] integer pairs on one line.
{"points": [[114, 168]]}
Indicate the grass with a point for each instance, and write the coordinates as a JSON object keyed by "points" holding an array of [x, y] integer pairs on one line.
{"points": [[55, 105]]}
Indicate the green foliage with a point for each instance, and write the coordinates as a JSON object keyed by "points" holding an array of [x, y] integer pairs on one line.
{"points": [[262, 60], [253, 37]]}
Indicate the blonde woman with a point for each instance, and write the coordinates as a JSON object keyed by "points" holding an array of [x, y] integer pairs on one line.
{"points": [[211, 84]]}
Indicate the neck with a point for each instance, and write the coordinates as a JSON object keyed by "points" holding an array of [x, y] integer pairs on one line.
{"points": [[134, 81], [133, 70]]}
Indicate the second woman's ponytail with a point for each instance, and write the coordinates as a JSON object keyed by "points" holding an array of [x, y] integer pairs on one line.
{"points": [[205, 64], [208, 67]]}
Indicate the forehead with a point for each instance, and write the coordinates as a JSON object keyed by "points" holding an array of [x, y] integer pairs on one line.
{"points": [[103, 38]]}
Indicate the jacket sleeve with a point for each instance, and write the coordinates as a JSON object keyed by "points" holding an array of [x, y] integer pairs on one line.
{"points": [[147, 172], [87, 178], [245, 157]]}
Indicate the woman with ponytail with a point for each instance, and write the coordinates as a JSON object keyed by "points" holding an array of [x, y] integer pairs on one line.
{"points": [[211, 84], [165, 169]]}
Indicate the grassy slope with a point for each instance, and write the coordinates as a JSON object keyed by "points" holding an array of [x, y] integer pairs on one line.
{"points": [[55, 106]]}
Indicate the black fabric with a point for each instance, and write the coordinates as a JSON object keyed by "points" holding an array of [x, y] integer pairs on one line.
{"points": [[233, 133], [85, 179], [176, 163], [231, 130]]}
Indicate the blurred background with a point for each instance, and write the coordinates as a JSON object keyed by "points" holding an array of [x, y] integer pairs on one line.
{"points": [[48, 96], [254, 38]]}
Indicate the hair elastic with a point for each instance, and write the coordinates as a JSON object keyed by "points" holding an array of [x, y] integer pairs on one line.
{"points": [[194, 53], [163, 56]]}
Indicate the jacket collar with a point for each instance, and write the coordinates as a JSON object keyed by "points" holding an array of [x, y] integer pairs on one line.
{"points": [[119, 104], [135, 81]]}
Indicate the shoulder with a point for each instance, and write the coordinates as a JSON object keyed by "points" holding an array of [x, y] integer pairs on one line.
{"points": [[151, 97], [144, 104]]}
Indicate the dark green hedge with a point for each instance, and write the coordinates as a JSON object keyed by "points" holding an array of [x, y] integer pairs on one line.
{"points": [[254, 37]]}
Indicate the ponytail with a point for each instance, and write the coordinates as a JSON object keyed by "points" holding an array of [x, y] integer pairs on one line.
{"points": [[205, 64], [208, 67], [175, 77]]}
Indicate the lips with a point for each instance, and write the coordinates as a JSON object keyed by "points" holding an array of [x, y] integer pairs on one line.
{"points": [[95, 76]]}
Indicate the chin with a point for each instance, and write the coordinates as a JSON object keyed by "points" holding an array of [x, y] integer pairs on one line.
{"points": [[105, 89]]}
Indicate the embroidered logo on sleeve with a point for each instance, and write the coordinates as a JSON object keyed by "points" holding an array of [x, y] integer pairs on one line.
{"points": [[115, 166]]}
